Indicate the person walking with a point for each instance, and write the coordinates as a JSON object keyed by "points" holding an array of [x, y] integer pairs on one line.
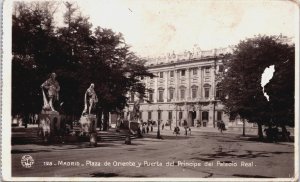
{"points": [[147, 129], [143, 129], [222, 126]]}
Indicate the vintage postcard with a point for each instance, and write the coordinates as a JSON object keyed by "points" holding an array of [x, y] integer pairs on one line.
{"points": [[152, 90]]}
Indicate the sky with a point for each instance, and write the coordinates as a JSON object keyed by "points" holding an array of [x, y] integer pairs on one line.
{"points": [[156, 27]]}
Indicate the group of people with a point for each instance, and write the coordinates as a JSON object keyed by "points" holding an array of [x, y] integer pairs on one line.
{"points": [[146, 128], [186, 130]]}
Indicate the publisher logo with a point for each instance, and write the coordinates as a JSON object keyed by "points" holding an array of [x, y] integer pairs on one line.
{"points": [[27, 161]]}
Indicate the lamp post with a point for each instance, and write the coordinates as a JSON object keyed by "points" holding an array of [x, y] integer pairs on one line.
{"points": [[158, 123], [176, 115], [214, 87]]}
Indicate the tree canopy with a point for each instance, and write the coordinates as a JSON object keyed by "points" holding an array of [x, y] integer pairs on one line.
{"points": [[242, 81], [78, 54]]}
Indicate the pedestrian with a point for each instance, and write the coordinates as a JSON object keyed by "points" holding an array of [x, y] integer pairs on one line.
{"points": [[185, 128], [218, 125], [151, 127], [176, 131], [222, 126], [163, 126], [143, 129], [147, 129]]}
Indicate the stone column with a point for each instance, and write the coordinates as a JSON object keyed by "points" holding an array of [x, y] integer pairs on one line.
{"points": [[197, 116], [176, 87], [199, 94], [188, 77], [166, 86], [213, 82], [155, 93]]}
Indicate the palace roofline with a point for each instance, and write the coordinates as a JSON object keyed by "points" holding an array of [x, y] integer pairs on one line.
{"points": [[184, 61], [196, 55]]}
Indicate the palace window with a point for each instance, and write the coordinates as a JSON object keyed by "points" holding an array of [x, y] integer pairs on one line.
{"points": [[206, 92], [161, 74], [160, 95], [194, 91], [205, 115], [170, 115], [171, 93], [194, 71], [182, 72], [207, 71], [182, 93], [172, 74], [219, 115], [151, 96], [149, 115], [180, 114], [218, 93]]}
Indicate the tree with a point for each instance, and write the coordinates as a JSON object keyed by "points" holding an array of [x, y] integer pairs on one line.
{"points": [[242, 79], [79, 56], [281, 90], [32, 41]]}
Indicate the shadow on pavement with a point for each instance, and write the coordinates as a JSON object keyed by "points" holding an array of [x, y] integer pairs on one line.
{"points": [[168, 137], [104, 174], [248, 155], [250, 176]]}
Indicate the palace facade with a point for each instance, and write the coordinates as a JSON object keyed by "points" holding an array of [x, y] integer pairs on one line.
{"points": [[185, 90]]}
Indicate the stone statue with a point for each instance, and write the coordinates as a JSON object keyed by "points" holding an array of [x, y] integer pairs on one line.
{"points": [[90, 100], [53, 92]]}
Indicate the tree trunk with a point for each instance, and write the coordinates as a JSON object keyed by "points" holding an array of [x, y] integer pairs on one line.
{"points": [[105, 120], [260, 132], [285, 134], [99, 119]]}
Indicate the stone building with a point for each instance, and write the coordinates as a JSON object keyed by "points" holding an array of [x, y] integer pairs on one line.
{"points": [[184, 91]]}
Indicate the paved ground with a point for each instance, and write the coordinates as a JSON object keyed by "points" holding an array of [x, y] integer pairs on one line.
{"points": [[204, 154]]}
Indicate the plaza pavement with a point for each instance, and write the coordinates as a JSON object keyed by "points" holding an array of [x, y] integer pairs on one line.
{"points": [[205, 154]]}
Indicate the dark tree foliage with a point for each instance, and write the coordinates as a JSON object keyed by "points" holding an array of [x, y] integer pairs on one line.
{"points": [[242, 81], [281, 89], [77, 54]]}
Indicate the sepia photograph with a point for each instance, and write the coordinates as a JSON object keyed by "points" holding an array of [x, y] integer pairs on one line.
{"points": [[150, 90]]}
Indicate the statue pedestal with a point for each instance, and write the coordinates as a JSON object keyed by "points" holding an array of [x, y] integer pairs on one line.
{"points": [[88, 123], [50, 124]]}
